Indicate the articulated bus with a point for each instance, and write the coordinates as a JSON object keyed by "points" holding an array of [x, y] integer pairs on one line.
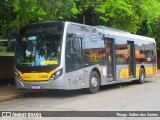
{"points": [[67, 55]]}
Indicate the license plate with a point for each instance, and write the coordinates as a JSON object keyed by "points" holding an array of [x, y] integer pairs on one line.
{"points": [[35, 87]]}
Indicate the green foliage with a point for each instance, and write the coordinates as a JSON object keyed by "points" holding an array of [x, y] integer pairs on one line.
{"points": [[117, 14], [6, 18], [22, 12], [134, 16], [155, 28]]}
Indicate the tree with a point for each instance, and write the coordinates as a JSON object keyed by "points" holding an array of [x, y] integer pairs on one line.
{"points": [[117, 14], [6, 18], [16, 13], [136, 16], [123, 14], [28, 11]]}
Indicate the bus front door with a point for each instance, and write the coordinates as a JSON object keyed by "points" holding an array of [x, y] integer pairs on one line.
{"points": [[131, 59], [110, 56]]}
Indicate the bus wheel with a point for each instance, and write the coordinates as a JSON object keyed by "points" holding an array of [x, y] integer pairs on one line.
{"points": [[141, 76], [94, 82]]}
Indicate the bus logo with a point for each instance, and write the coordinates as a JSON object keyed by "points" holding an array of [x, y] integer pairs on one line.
{"points": [[6, 114]]}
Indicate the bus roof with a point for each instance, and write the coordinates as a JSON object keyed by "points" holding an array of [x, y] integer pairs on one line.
{"points": [[109, 32]]}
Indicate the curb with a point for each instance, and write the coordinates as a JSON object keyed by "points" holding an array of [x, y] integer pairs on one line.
{"points": [[12, 97]]}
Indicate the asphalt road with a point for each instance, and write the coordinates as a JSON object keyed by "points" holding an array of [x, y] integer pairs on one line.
{"points": [[120, 97]]}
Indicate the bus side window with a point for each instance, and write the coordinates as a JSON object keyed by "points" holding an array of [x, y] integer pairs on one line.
{"points": [[73, 53]]}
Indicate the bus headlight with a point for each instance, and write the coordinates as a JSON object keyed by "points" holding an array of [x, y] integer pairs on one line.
{"points": [[57, 74]]}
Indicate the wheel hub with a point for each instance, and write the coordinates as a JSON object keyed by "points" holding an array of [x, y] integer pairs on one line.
{"points": [[94, 82]]}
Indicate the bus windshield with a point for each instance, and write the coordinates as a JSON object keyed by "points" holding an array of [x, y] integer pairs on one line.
{"points": [[38, 49]]}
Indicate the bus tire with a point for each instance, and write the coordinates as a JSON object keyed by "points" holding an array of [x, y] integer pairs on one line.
{"points": [[94, 82], [141, 76]]}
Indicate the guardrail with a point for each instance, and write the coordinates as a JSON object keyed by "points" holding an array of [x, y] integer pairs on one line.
{"points": [[3, 40]]}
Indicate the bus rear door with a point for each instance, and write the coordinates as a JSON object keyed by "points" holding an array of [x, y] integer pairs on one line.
{"points": [[131, 59]]}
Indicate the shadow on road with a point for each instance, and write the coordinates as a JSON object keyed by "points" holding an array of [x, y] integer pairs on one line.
{"points": [[122, 85]]}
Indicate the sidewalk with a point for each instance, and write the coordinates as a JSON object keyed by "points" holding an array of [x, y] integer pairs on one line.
{"points": [[10, 92]]}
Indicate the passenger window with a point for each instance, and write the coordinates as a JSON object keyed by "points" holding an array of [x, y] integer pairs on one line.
{"points": [[121, 51], [94, 50]]}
